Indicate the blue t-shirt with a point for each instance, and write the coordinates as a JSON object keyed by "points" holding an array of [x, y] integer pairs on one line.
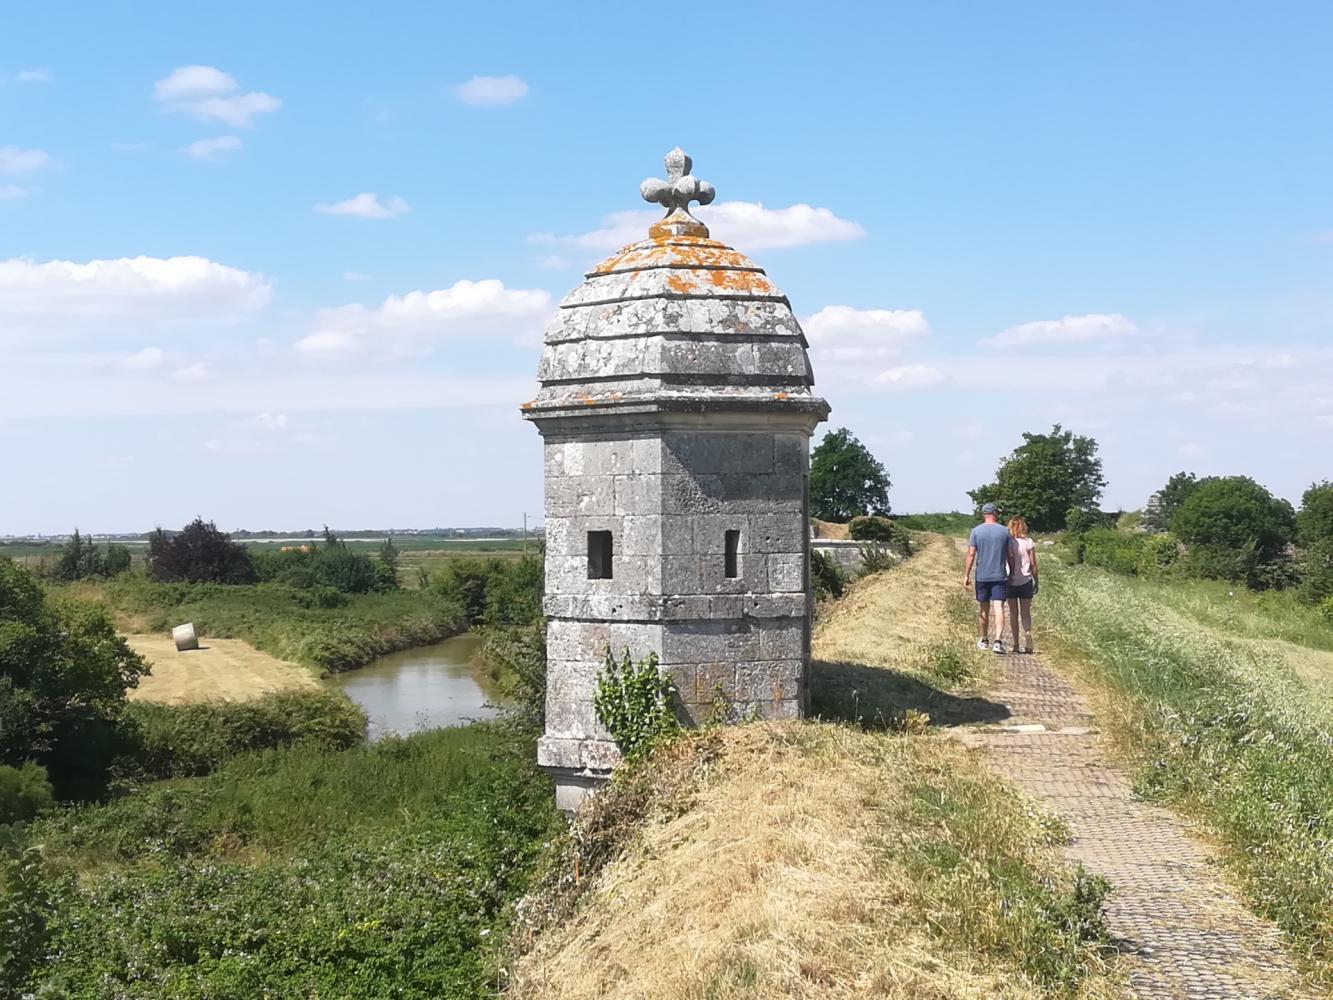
{"points": [[992, 544]]}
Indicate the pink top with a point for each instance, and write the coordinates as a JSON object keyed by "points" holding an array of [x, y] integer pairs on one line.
{"points": [[1020, 561]]}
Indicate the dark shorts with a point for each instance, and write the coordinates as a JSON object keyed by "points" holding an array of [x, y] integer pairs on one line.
{"points": [[1022, 591], [992, 590]]}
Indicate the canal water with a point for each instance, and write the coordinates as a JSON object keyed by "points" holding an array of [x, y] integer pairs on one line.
{"points": [[425, 688]]}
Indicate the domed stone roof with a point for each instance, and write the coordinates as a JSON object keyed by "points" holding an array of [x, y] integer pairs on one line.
{"points": [[677, 321]]}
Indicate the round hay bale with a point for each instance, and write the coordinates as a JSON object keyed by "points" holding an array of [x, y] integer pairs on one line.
{"points": [[185, 637]]}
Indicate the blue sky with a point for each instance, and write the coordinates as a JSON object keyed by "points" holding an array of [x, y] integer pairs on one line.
{"points": [[283, 265]]}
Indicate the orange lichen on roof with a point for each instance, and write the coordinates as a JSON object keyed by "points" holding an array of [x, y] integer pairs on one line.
{"points": [[699, 253], [742, 281], [680, 284], [779, 395]]}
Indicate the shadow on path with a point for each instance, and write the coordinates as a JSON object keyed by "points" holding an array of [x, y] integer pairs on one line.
{"points": [[877, 698]]}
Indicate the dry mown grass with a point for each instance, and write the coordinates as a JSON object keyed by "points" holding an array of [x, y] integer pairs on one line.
{"points": [[902, 641], [822, 861], [817, 860], [221, 669]]}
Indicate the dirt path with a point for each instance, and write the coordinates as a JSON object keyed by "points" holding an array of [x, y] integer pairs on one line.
{"points": [[1186, 932], [222, 669]]}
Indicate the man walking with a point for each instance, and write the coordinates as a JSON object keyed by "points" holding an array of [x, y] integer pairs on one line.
{"points": [[988, 551]]}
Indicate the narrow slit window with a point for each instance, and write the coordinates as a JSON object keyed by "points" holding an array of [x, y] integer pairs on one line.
{"points": [[733, 551], [599, 555]]}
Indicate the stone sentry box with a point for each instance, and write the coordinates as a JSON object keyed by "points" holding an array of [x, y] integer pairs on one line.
{"points": [[676, 409]]}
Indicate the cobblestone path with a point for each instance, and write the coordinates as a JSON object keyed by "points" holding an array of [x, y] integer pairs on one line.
{"points": [[1186, 932]]}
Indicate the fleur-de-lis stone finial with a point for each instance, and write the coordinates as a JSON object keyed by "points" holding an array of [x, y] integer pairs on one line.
{"points": [[675, 194]]}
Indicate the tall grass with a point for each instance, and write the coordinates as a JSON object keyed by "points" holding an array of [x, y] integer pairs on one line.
{"points": [[1221, 727], [383, 871], [950, 523], [766, 862]]}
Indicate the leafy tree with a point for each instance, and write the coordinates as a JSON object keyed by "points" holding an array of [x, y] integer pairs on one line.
{"points": [[1044, 478], [63, 676], [1315, 519], [386, 565], [337, 566], [80, 559], [1163, 504], [846, 481], [200, 553], [1236, 529]]}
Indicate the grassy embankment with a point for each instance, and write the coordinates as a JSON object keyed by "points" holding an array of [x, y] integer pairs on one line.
{"points": [[1222, 698], [287, 622], [862, 856], [376, 872]]}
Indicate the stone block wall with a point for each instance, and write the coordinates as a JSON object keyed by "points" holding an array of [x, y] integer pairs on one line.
{"points": [[669, 498]]}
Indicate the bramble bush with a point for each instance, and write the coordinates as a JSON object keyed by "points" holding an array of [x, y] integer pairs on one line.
{"points": [[635, 702], [882, 530], [178, 741], [401, 858]]}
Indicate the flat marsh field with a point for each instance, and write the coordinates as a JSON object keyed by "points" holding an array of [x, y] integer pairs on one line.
{"points": [[221, 669]]}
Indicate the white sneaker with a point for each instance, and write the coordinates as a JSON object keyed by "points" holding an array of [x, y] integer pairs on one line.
{"points": [[999, 647], [982, 644]]}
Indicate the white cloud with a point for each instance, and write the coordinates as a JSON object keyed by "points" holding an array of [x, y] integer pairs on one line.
{"points": [[211, 149], [366, 205], [273, 423], [354, 276], [746, 225], [1086, 329], [910, 377], [33, 76], [970, 431], [552, 262], [207, 93], [402, 324], [191, 83], [50, 297], [192, 373], [144, 360], [14, 160], [1191, 449], [1324, 236], [841, 333], [12, 192], [491, 91]]}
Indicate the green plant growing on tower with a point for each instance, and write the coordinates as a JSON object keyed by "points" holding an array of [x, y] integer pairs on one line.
{"points": [[635, 702]]}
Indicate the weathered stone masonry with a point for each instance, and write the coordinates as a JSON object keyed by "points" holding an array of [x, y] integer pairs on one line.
{"points": [[676, 412]]}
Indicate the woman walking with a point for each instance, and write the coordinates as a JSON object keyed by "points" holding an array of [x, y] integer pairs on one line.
{"points": [[1022, 581]]}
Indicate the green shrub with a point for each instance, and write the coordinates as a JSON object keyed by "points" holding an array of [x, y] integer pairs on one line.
{"points": [[876, 558], [175, 741], [1315, 519], [882, 530], [1317, 572], [1128, 554], [515, 657], [1326, 609], [27, 900], [826, 575], [871, 529], [385, 871], [635, 702], [25, 792], [1232, 514], [63, 676]]}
